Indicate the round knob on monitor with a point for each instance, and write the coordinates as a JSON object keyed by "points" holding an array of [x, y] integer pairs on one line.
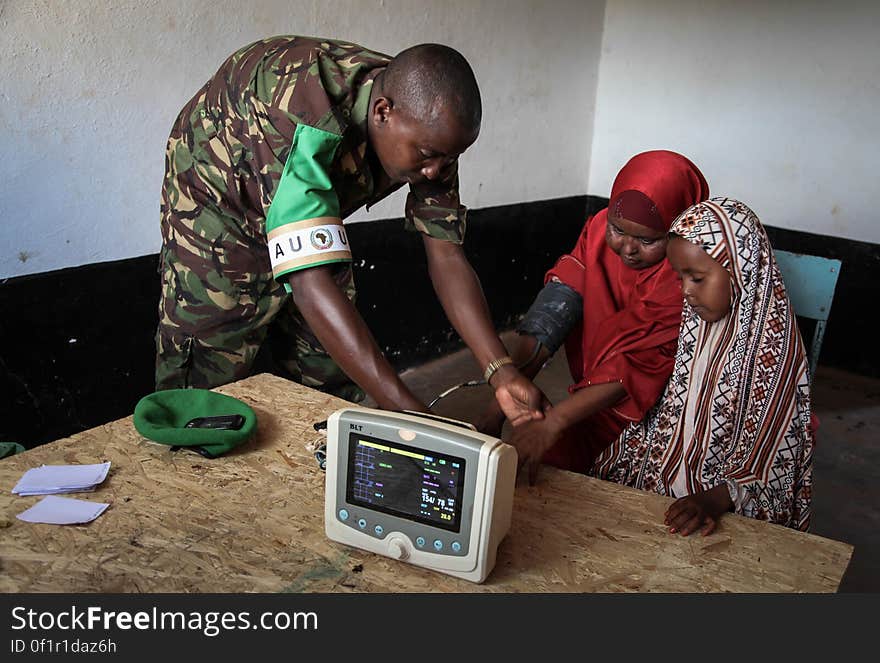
{"points": [[397, 549]]}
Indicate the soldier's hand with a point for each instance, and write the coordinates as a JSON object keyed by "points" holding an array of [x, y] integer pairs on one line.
{"points": [[532, 440], [518, 397]]}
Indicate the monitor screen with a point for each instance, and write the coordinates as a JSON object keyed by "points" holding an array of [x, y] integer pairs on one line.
{"points": [[405, 481]]}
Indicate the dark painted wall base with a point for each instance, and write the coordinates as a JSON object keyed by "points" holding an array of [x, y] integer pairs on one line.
{"points": [[77, 348], [76, 345]]}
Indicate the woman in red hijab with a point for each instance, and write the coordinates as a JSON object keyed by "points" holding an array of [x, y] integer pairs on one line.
{"points": [[616, 302]]}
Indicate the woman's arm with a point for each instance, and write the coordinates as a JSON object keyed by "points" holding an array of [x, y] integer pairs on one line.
{"points": [[533, 439]]}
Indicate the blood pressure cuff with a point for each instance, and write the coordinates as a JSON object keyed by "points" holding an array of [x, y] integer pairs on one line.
{"points": [[554, 313], [163, 417]]}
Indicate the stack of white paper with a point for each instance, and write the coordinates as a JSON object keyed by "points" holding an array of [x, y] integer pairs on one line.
{"points": [[51, 479], [62, 511]]}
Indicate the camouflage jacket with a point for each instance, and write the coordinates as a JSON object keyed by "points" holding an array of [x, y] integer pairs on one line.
{"points": [[280, 137]]}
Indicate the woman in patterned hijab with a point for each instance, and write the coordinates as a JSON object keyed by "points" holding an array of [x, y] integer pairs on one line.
{"points": [[731, 431]]}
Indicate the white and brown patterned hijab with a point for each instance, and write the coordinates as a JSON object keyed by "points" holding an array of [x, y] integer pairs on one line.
{"points": [[736, 409]]}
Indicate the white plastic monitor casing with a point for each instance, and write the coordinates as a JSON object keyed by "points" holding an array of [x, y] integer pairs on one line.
{"points": [[487, 501]]}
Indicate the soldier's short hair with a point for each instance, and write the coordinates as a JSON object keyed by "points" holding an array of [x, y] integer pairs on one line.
{"points": [[429, 78]]}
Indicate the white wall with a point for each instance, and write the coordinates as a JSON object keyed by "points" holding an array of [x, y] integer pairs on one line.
{"points": [[89, 90], [777, 102]]}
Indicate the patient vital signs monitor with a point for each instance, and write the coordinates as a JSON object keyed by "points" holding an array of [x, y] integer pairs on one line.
{"points": [[422, 489]]}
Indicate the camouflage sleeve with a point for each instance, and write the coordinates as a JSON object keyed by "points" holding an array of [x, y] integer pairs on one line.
{"points": [[433, 208], [303, 225]]}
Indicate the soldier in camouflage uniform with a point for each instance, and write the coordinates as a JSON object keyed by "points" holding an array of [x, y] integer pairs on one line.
{"points": [[290, 136]]}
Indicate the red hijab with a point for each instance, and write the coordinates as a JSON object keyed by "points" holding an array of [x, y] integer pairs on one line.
{"points": [[631, 317]]}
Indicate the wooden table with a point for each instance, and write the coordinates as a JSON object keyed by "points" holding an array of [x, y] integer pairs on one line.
{"points": [[253, 521]]}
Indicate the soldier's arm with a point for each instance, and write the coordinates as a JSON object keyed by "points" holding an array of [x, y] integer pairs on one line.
{"points": [[461, 296], [345, 336], [305, 237]]}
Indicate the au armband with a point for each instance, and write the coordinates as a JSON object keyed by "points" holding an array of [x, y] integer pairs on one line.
{"points": [[306, 244], [554, 313]]}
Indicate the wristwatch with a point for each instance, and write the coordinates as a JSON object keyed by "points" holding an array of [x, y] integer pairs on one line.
{"points": [[494, 365]]}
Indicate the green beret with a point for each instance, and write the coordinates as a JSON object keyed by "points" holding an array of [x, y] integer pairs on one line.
{"points": [[186, 418]]}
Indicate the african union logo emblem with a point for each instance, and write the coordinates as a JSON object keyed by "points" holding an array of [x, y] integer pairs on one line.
{"points": [[321, 239]]}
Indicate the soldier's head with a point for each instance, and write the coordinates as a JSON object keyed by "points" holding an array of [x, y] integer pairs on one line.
{"points": [[425, 110]]}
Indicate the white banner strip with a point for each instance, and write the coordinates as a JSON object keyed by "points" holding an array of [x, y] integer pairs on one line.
{"points": [[299, 247]]}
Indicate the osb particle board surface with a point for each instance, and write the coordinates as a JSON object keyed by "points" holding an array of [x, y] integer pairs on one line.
{"points": [[252, 521]]}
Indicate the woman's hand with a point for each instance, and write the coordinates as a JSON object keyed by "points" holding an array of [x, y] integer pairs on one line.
{"points": [[491, 421], [700, 511], [532, 440]]}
